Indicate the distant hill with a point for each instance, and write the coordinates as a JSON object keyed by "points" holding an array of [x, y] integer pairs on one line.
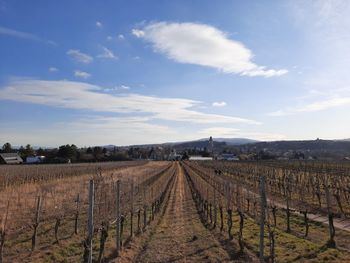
{"points": [[235, 141], [197, 144], [332, 149], [219, 143], [320, 148]]}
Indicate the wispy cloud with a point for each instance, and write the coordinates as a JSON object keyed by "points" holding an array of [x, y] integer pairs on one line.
{"points": [[314, 106], [107, 54], [219, 131], [219, 104], [204, 45], [24, 35], [123, 87], [53, 69], [138, 32], [97, 130], [99, 24], [81, 74], [117, 88], [83, 96], [118, 37], [78, 56]]}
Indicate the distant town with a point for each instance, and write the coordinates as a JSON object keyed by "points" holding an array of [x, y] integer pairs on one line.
{"points": [[204, 149]]}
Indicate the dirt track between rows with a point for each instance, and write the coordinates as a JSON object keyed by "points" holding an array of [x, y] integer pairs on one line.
{"points": [[181, 236]]}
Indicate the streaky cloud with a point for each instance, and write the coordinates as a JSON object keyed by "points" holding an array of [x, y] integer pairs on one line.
{"points": [[24, 35], [91, 98]]}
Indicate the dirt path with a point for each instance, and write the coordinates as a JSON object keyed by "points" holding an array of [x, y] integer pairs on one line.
{"points": [[180, 236]]}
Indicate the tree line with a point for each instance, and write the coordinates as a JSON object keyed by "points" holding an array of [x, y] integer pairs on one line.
{"points": [[69, 153]]}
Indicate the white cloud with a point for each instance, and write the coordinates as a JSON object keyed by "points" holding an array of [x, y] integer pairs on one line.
{"points": [[93, 130], [219, 104], [53, 69], [99, 24], [314, 106], [24, 35], [123, 87], [118, 37], [78, 56], [220, 131], [107, 53], [83, 96], [137, 33], [204, 45], [82, 74]]}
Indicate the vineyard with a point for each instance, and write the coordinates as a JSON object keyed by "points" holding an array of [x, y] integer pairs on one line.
{"points": [[205, 211]]}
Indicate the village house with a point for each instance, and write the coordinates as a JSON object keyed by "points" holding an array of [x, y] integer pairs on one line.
{"points": [[10, 158]]}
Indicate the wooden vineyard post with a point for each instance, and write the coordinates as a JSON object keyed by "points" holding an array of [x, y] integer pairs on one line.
{"points": [[262, 216], [36, 222], [287, 195], [331, 241], [221, 219], [91, 219], [117, 227], [215, 208], [144, 209], [139, 230], [132, 209], [3, 231], [207, 205], [152, 214], [76, 215]]}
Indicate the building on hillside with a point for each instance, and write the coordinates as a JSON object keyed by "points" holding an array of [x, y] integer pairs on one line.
{"points": [[211, 146], [35, 159], [10, 158], [228, 157], [200, 158]]}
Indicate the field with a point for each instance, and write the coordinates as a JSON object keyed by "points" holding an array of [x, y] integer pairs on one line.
{"points": [[210, 211]]}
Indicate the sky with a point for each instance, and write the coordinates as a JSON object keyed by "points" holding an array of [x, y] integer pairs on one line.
{"points": [[137, 72]]}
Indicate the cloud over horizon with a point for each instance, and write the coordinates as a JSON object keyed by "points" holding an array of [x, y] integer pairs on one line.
{"points": [[84, 96]]}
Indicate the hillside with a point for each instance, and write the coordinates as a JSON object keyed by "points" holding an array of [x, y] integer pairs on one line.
{"points": [[319, 148]]}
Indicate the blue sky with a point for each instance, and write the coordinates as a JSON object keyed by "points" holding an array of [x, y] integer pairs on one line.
{"points": [[130, 72]]}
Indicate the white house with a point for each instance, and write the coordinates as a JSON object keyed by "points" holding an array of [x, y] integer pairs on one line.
{"points": [[200, 158], [35, 159]]}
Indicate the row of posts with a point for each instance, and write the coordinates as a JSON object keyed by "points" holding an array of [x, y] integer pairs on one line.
{"points": [[91, 219], [87, 258]]}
